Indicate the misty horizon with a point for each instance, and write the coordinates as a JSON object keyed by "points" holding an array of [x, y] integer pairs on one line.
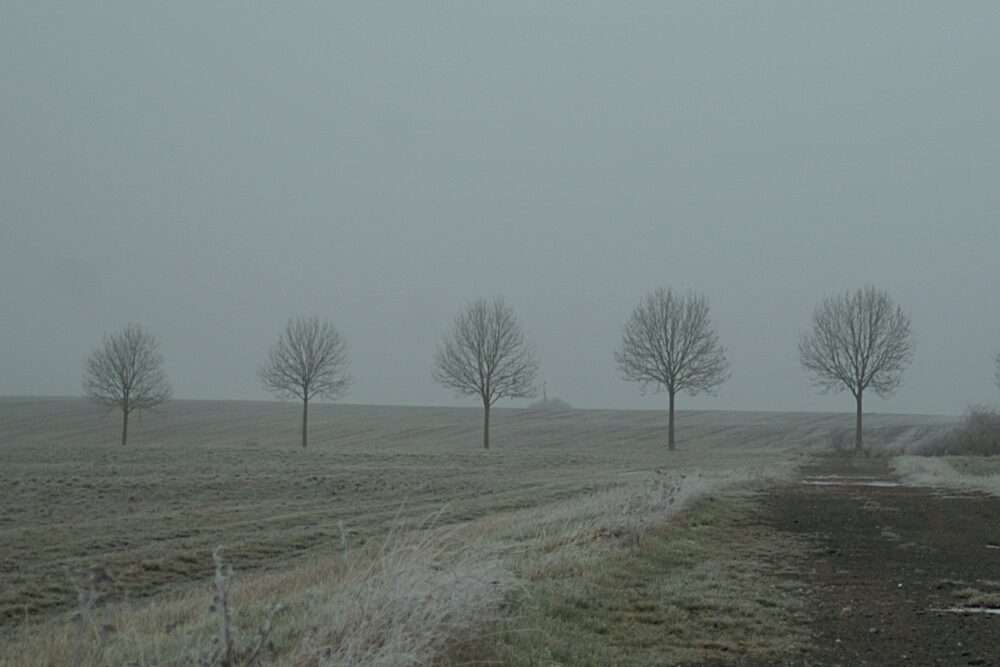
{"points": [[212, 172]]}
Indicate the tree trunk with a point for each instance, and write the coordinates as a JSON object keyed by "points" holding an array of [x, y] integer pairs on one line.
{"points": [[486, 426], [858, 440], [670, 429], [124, 427], [305, 422]]}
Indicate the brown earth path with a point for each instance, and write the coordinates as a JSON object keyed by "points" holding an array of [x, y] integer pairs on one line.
{"points": [[886, 559]]}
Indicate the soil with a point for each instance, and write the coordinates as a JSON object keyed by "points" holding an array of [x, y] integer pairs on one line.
{"points": [[887, 559]]}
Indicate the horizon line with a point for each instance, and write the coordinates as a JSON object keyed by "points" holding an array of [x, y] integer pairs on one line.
{"points": [[70, 397]]}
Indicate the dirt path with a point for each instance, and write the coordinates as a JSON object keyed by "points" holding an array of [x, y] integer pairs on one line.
{"points": [[887, 560]]}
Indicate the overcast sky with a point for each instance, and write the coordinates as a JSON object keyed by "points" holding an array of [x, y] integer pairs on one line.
{"points": [[210, 169]]}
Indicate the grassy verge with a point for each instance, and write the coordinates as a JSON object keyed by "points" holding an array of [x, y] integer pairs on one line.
{"points": [[399, 601], [393, 603], [638, 573], [709, 585]]}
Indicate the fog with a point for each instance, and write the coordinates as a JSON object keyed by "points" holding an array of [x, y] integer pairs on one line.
{"points": [[212, 171]]}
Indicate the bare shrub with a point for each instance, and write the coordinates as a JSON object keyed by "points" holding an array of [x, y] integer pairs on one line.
{"points": [[977, 435]]}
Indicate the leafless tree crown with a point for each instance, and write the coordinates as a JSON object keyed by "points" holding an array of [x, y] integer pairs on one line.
{"points": [[997, 372], [126, 371], [486, 354], [670, 343], [308, 360], [859, 339]]}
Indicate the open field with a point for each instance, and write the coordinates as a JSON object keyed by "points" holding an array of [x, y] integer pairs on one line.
{"points": [[203, 474]]}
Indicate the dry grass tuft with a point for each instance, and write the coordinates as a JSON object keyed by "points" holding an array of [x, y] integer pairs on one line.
{"points": [[397, 604], [422, 589]]}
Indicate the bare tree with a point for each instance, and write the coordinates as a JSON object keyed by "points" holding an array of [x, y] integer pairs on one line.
{"points": [[309, 360], [486, 355], [126, 371], [997, 372], [859, 339], [670, 343]]}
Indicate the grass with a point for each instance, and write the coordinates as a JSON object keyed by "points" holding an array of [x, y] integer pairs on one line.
{"points": [[710, 585], [199, 475], [402, 600], [394, 603], [560, 493]]}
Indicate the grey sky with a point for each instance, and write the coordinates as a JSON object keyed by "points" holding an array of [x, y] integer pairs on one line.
{"points": [[211, 171]]}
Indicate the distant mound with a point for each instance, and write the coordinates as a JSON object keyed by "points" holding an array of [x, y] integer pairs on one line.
{"points": [[550, 405]]}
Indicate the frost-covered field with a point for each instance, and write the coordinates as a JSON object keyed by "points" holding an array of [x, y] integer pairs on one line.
{"points": [[198, 475]]}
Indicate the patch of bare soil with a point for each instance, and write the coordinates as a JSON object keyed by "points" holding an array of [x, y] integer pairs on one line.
{"points": [[897, 573]]}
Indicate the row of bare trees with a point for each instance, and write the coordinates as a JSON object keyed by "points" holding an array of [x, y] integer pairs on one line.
{"points": [[309, 360], [858, 340]]}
